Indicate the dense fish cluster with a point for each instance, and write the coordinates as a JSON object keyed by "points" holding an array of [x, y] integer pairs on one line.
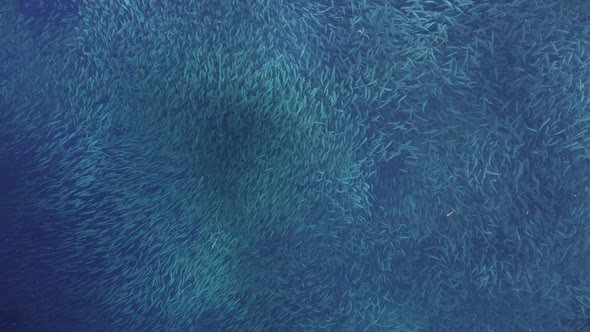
{"points": [[298, 165]]}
